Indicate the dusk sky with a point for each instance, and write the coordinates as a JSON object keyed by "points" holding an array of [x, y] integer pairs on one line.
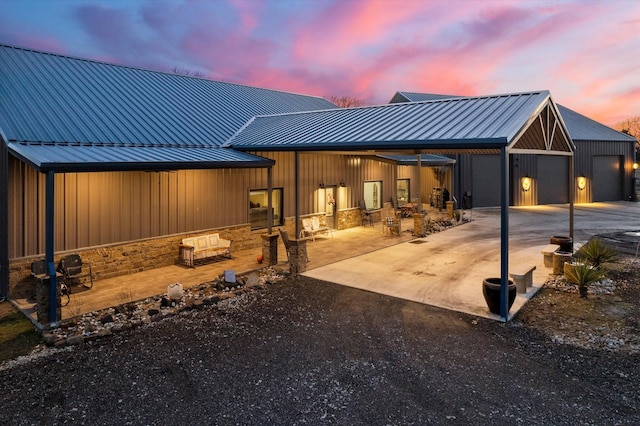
{"points": [[587, 53]]}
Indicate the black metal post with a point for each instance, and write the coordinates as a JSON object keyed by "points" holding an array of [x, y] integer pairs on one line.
{"points": [[49, 245], [504, 234]]}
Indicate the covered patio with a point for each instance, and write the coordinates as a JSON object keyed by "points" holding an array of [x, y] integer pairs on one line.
{"points": [[519, 123], [443, 269]]}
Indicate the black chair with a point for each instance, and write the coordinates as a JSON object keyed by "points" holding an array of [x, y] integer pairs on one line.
{"points": [[40, 276], [367, 217], [74, 269]]}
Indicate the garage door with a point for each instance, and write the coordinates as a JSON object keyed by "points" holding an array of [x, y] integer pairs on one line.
{"points": [[607, 181], [486, 180], [553, 179]]}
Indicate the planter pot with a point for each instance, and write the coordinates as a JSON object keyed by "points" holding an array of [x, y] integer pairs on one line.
{"points": [[491, 293], [560, 258], [583, 290], [565, 243]]}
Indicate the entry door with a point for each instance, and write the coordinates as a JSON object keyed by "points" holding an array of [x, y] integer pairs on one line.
{"points": [[331, 205]]}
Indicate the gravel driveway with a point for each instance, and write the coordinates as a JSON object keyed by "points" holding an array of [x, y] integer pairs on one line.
{"points": [[307, 352]]}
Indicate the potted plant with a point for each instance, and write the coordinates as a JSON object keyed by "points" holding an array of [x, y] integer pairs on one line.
{"points": [[583, 275], [491, 293]]}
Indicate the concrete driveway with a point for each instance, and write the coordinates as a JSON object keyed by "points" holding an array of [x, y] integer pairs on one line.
{"points": [[446, 269]]}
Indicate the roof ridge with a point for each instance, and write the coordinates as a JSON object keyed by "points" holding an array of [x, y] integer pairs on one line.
{"points": [[168, 73], [398, 105]]}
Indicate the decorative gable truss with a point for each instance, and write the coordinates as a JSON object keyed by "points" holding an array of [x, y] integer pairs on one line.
{"points": [[544, 133]]}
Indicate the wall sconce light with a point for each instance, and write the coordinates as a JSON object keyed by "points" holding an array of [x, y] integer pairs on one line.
{"points": [[526, 183], [635, 166], [321, 185], [342, 184], [582, 183]]}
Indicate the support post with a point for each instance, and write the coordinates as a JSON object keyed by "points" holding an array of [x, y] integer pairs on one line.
{"points": [[297, 192], [49, 246], [572, 184], [270, 200], [419, 210], [504, 234], [4, 219]]}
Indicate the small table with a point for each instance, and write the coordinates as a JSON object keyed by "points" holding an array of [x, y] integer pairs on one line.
{"points": [[406, 210]]}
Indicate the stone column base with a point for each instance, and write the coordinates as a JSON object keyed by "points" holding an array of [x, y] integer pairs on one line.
{"points": [[270, 249], [298, 258], [450, 208], [419, 225], [42, 303]]}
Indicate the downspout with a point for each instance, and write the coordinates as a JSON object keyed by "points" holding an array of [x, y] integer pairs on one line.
{"points": [[504, 234], [49, 245]]}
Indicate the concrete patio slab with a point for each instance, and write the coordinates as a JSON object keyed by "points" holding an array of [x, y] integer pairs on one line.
{"points": [[447, 269]]}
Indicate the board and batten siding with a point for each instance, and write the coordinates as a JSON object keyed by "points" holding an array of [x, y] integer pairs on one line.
{"points": [[107, 207], [584, 166], [93, 209], [328, 169]]}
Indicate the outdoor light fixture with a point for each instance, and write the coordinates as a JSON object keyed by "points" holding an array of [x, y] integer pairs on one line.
{"points": [[526, 183], [582, 183], [342, 184], [635, 166], [321, 185]]}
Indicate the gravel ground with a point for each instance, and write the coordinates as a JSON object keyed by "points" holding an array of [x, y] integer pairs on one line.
{"points": [[301, 351]]}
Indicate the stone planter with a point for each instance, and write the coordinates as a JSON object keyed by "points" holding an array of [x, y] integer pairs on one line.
{"points": [[560, 258], [491, 293]]}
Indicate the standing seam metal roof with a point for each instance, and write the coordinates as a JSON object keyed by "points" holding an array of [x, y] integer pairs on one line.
{"points": [[580, 127], [63, 101], [456, 123]]}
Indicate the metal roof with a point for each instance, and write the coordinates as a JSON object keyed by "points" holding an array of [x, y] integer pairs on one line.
{"points": [[65, 158], [64, 101], [426, 160], [580, 128], [418, 97], [485, 122]]}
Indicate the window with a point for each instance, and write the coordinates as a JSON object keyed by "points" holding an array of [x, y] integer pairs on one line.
{"points": [[373, 194], [258, 201], [402, 191]]}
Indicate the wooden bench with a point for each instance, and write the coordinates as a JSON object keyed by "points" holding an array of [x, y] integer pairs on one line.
{"points": [[523, 278], [547, 252], [203, 247]]}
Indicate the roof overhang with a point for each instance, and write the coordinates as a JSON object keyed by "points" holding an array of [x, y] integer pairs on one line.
{"points": [[68, 158], [426, 160]]}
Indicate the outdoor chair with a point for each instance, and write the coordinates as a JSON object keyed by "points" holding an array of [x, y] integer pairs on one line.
{"points": [[40, 277], [285, 240], [316, 228], [367, 217], [74, 269], [392, 226], [307, 229], [287, 244]]}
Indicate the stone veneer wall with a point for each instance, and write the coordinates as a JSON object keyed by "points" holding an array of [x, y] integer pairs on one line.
{"points": [[127, 258]]}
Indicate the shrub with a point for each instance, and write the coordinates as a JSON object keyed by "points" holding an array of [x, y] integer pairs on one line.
{"points": [[583, 275], [595, 252]]}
